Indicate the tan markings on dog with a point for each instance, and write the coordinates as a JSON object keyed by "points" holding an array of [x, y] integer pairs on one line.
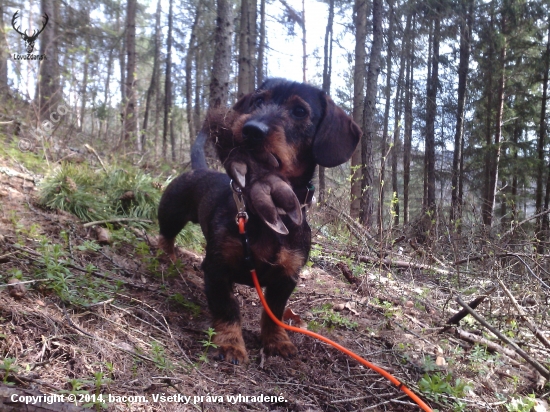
{"points": [[232, 251], [296, 100], [275, 340], [229, 339], [237, 127], [287, 153], [167, 245], [291, 261]]}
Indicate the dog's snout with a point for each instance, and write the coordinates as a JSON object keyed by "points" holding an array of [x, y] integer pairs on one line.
{"points": [[255, 131]]}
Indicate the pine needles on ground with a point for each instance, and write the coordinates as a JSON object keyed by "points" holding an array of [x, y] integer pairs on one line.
{"points": [[94, 195]]}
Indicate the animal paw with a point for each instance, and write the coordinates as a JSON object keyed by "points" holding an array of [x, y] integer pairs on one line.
{"points": [[233, 354], [230, 343], [278, 344]]}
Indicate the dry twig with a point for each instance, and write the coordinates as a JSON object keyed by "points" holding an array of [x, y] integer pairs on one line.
{"points": [[541, 369]]}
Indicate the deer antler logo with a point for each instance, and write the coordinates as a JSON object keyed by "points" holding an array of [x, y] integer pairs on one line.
{"points": [[29, 40]]}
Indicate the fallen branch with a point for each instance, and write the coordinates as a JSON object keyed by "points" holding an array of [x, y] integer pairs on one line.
{"points": [[540, 369], [457, 317], [92, 150], [509, 232], [495, 347], [121, 219], [84, 270], [530, 324], [13, 173], [347, 273], [403, 264], [498, 256], [355, 228]]}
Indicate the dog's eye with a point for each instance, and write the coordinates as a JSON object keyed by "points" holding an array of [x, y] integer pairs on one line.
{"points": [[299, 112], [259, 102]]}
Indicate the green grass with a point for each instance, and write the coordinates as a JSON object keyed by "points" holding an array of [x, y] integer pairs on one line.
{"points": [[94, 195]]}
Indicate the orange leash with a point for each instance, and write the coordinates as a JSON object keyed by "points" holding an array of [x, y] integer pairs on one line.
{"points": [[384, 373]]}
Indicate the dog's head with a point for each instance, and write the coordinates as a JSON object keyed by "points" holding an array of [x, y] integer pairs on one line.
{"points": [[284, 129]]}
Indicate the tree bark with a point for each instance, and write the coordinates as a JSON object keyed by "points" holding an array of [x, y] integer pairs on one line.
{"points": [[168, 90], [465, 26], [221, 67], [3, 54], [545, 224], [84, 88], [245, 53], [398, 107], [367, 198], [261, 45], [431, 112], [49, 86], [384, 143], [304, 42], [130, 113], [361, 13], [122, 61], [407, 138], [191, 51], [327, 71], [151, 90], [494, 148], [219, 83], [540, 149]]}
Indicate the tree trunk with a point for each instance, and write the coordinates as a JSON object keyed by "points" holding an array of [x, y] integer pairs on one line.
{"points": [[541, 145], [84, 88], [3, 54], [253, 22], [369, 126], [384, 143], [168, 90], [261, 45], [219, 83], [428, 80], [191, 51], [407, 138], [122, 61], [327, 71], [221, 66], [304, 43], [398, 107], [130, 117], [49, 86], [465, 26], [494, 149], [431, 112], [151, 90], [361, 12], [245, 64]]}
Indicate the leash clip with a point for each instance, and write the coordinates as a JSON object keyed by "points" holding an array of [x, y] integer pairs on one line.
{"points": [[239, 201]]}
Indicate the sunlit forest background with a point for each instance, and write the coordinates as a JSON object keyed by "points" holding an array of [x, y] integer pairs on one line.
{"points": [[451, 95]]}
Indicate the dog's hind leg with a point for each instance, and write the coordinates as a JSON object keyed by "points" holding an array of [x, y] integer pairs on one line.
{"points": [[177, 207]]}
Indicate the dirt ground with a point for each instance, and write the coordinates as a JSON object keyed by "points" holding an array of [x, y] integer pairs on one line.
{"points": [[140, 348]]}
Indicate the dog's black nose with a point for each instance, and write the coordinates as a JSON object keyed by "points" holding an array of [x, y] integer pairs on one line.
{"points": [[254, 131]]}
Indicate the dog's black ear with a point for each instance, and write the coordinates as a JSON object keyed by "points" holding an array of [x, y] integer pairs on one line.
{"points": [[337, 136], [244, 104], [272, 195]]}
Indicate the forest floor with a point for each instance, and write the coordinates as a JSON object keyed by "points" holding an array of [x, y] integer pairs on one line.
{"points": [[118, 325]]}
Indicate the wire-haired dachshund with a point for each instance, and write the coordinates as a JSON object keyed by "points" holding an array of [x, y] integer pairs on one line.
{"points": [[269, 142]]}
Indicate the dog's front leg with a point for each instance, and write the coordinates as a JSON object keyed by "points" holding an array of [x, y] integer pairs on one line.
{"points": [[225, 313], [274, 338]]}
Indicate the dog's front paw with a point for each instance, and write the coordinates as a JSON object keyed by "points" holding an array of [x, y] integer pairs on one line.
{"points": [[234, 354], [278, 343], [230, 343]]}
